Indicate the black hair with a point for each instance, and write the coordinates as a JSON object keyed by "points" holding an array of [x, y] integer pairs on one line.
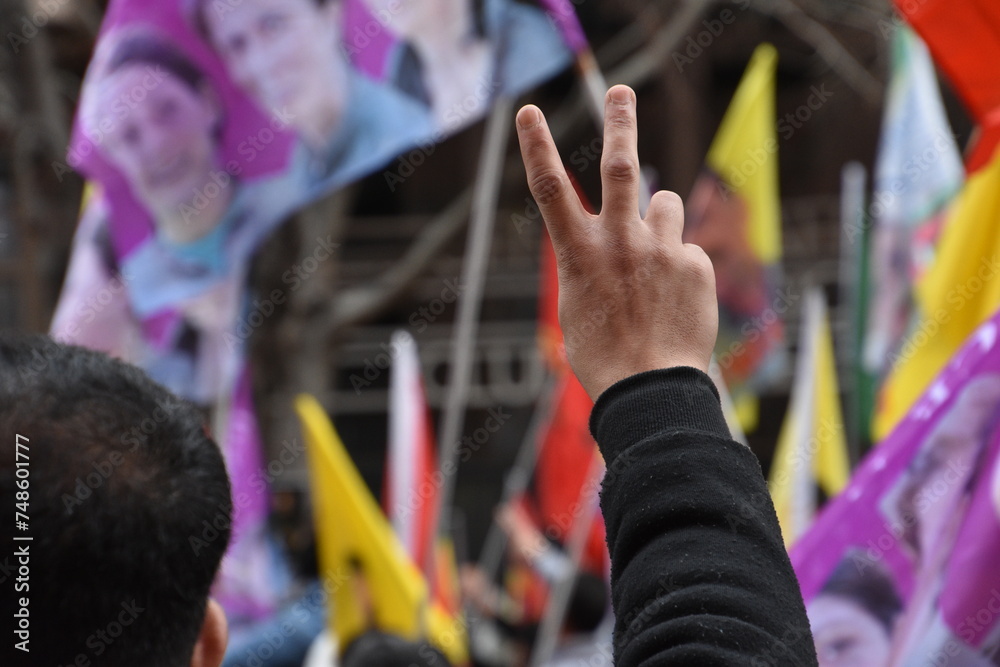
{"points": [[145, 48], [868, 584], [381, 649], [588, 603], [129, 507]]}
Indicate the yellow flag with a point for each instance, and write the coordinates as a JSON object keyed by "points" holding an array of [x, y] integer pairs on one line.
{"points": [[811, 447], [372, 581], [734, 214], [959, 291], [744, 153]]}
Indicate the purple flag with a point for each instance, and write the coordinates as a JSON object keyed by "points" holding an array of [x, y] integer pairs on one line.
{"points": [[903, 567]]}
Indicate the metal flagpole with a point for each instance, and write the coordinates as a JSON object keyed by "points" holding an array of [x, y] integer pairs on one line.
{"points": [[853, 255], [518, 477], [475, 263], [555, 611]]}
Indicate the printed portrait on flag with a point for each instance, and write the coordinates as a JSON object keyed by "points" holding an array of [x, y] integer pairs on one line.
{"points": [[454, 57], [734, 214], [901, 569], [207, 122], [203, 124]]}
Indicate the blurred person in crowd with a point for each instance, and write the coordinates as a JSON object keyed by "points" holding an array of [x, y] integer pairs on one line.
{"points": [[853, 617], [382, 649], [457, 56], [111, 508], [583, 635], [675, 478], [288, 56], [584, 638]]}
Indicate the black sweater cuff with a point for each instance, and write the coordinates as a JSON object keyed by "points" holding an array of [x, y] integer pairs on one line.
{"points": [[655, 402]]}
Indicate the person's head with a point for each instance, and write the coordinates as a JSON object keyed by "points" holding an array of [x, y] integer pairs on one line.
{"points": [[853, 616], [157, 118], [588, 603], [413, 19], [381, 649], [119, 477], [286, 54]]}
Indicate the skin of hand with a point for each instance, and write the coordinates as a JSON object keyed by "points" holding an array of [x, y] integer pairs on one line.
{"points": [[633, 296], [526, 540]]}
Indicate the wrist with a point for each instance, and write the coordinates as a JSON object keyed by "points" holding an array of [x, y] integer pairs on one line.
{"points": [[647, 403]]}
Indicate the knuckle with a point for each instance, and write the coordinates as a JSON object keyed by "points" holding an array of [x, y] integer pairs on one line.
{"points": [[621, 119], [698, 263], [547, 186], [668, 203], [619, 168]]}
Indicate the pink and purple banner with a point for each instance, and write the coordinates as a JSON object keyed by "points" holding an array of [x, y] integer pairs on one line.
{"points": [[203, 124], [903, 567]]}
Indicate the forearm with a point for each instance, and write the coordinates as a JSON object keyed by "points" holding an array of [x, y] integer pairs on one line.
{"points": [[699, 571]]}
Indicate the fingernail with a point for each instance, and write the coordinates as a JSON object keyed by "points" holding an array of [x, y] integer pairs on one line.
{"points": [[620, 95], [528, 117]]}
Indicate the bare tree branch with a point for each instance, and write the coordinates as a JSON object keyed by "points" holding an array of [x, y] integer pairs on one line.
{"points": [[829, 49]]}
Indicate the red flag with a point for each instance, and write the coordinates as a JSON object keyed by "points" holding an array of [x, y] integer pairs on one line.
{"points": [[411, 495], [550, 338], [565, 461], [567, 449], [964, 38]]}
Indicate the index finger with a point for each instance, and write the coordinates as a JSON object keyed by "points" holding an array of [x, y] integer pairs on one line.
{"points": [[547, 179]]}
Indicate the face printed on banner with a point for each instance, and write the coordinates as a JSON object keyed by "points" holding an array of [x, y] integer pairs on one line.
{"points": [[938, 474], [164, 144], [285, 53], [846, 635]]}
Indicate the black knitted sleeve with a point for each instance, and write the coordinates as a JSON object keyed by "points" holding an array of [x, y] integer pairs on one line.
{"points": [[699, 573]]}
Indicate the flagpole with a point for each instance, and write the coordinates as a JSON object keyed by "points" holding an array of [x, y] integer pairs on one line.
{"points": [[474, 266], [853, 271], [803, 404], [555, 610], [517, 479]]}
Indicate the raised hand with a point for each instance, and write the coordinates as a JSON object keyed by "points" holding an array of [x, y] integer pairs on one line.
{"points": [[633, 296]]}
